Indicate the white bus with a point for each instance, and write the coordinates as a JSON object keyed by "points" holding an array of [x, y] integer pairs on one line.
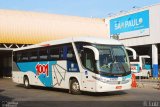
{"points": [[141, 67], [78, 64]]}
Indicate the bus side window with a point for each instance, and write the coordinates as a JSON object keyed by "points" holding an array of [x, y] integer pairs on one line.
{"points": [[18, 56], [54, 53], [61, 53], [70, 54], [33, 55], [143, 63], [15, 56], [24, 56], [43, 54]]}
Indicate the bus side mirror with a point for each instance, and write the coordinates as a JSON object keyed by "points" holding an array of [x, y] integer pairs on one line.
{"points": [[133, 52]]}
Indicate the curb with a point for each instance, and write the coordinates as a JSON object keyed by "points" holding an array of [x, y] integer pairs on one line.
{"points": [[7, 77], [147, 85], [153, 78], [150, 80]]}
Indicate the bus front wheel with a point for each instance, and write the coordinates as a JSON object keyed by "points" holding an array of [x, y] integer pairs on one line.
{"points": [[148, 75], [74, 87], [26, 82]]}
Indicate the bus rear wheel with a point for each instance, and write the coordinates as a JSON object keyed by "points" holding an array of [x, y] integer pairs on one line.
{"points": [[26, 82], [74, 87]]}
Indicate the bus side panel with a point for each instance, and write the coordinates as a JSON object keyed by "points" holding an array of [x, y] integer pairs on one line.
{"points": [[17, 77], [62, 74], [38, 73], [59, 74]]}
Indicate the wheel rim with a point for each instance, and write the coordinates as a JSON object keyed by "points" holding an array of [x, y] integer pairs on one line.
{"points": [[148, 76], [26, 82], [75, 86]]}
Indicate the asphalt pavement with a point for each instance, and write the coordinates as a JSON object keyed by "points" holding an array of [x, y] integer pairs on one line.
{"points": [[17, 95]]}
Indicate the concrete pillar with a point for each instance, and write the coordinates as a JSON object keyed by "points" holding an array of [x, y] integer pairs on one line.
{"points": [[155, 60]]}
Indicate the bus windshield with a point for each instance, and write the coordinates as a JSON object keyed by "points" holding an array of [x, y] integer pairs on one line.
{"points": [[113, 60]]}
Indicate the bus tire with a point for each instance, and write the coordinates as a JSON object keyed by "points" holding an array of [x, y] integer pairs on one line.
{"points": [[148, 75], [26, 82], [74, 87]]}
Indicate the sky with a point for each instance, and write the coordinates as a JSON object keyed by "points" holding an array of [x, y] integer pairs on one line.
{"points": [[83, 8]]}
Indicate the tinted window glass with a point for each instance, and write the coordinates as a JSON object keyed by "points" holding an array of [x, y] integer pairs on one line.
{"points": [[55, 53], [70, 53], [21, 56], [18, 56], [33, 55], [88, 59], [24, 56], [43, 54]]}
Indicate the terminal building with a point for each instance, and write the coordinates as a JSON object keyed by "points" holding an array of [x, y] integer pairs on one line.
{"points": [[20, 28], [140, 30]]}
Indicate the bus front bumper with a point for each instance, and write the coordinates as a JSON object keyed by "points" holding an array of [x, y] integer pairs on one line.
{"points": [[104, 87]]}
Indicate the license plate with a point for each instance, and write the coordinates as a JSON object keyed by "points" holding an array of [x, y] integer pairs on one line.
{"points": [[118, 87]]}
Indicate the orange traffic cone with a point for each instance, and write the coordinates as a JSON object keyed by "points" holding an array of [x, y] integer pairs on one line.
{"points": [[134, 83]]}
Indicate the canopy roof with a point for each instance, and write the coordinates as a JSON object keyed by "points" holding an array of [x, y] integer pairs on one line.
{"points": [[20, 27]]}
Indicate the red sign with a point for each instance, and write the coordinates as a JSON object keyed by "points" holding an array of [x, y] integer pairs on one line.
{"points": [[133, 67], [42, 69]]}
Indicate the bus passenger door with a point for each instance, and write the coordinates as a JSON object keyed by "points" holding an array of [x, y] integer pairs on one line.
{"points": [[89, 68]]}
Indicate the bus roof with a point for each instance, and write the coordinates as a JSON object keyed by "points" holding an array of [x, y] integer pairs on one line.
{"points": [[94, 40]]}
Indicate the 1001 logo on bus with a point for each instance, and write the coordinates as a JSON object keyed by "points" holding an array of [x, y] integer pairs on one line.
{"points": [[42, 69]]}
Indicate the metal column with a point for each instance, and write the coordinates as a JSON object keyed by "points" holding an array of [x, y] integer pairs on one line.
{"points": [[155, 60]]}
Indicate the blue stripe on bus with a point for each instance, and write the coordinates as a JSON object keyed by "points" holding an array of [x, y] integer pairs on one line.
{"points": [[31, 66]]}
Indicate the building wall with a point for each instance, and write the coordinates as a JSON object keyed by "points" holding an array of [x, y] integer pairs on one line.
{"points": [[143, 32], [154, 26]]}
